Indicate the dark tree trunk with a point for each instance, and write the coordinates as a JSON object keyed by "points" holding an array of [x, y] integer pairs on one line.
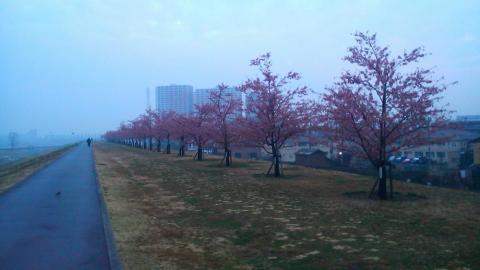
{"points": [[150, 143], [168, 144], [181, 149], [159, 145], [275, 162], [199, 153], [276, 166], [228, 157], [382, 184], [390, 178], [145, 143]]}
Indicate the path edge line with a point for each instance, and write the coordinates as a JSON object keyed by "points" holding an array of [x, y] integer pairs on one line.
{"points": [[113, 258]]}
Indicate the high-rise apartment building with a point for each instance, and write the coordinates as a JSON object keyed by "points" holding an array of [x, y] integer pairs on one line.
{"points": [[249, 98], [202, 96], [177, 98]]}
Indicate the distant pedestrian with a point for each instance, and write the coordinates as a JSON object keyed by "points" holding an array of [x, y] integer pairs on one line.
{"points": [[89, 141]]}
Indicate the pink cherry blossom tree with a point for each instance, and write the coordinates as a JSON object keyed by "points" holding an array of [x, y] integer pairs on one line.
{"points": [[164, 124], [223, 110], [383, 105], [157, 129], [148, 123], [179, 129], [139, 132], [142, 126], [123, 134], [276, 111], [198, 129]]}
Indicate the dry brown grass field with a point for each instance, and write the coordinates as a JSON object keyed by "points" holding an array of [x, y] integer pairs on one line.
{"points": [[177, 213]]}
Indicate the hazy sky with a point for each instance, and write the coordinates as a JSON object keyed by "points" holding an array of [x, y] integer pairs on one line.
{"points": [[83, 66]]}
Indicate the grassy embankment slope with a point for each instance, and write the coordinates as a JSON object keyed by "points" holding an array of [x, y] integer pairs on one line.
{"points": [[12, 174], [176, 213]]}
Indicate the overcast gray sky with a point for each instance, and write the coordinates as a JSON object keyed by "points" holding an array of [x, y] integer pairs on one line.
{"points": [[83, 66]]}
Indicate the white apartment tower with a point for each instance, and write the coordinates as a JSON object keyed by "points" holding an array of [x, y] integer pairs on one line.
{"points": [[202, 96], [177, 98]]}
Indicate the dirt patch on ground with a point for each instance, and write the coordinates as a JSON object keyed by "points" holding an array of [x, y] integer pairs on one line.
{"points": [[176, 213]]}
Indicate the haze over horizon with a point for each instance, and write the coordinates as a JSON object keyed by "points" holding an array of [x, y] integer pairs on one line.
{"points": [[84, 66]]}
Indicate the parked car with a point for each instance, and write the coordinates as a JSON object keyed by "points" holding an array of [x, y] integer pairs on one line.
{"points": [[419, 160], [423, 160]]}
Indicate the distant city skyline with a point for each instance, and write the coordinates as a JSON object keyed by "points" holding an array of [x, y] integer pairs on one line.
{"points": [[83, 66], [182, 98]]}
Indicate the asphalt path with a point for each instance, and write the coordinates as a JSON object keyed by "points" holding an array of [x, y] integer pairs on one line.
{"points": [[54, 219]]}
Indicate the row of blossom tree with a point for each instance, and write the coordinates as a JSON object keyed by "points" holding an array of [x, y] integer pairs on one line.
{"points": [[382, 105]]}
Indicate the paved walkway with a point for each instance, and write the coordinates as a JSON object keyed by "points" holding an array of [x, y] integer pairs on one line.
{"points": [[42, 230]]}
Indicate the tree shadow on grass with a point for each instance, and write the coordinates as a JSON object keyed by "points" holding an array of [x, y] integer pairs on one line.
{"points": [[217, 164], [397, 196], [263, 176]]}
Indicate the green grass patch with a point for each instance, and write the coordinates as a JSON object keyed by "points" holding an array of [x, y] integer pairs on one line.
{"points": [[191, 200], [223, 222]]}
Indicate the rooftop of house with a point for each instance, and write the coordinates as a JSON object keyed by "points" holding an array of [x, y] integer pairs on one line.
{"points": [[457, 134], [307, 152]]}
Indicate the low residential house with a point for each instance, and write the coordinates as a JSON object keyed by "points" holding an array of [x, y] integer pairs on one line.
{"points": [[247, 152], [313, 158], [447, 153], [290, 151], [306, 143]]}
